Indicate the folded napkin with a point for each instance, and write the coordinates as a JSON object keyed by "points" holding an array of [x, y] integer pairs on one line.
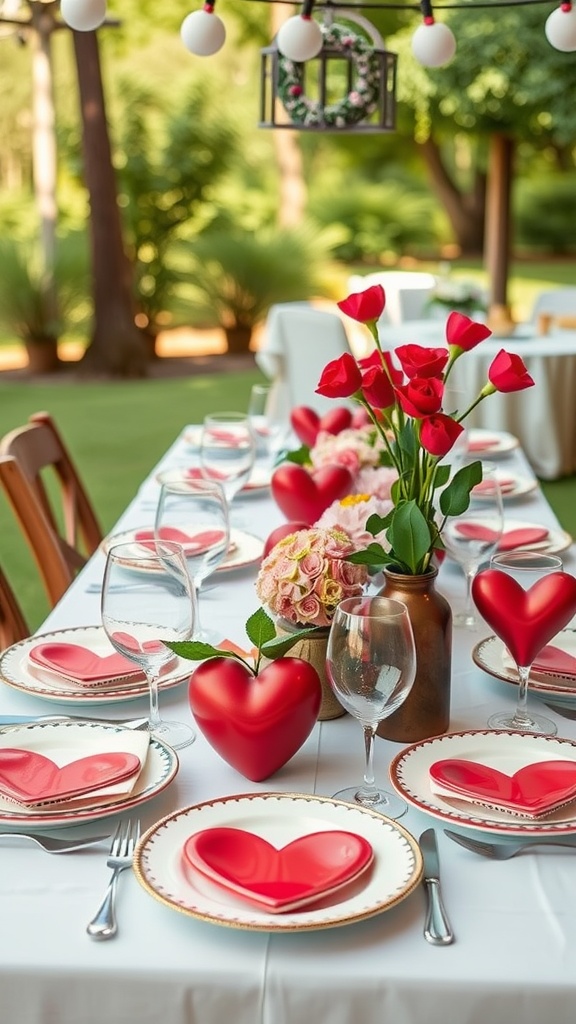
{"points": [[506, 485], [68, 766], [482, 444], [511, 539], [192, 543], [82, 665], [278, 880], [558, 658], [531, 792]]}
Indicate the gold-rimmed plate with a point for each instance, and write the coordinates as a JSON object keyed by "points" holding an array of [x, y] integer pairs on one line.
{"points": [[555, 688], [279, 818]]}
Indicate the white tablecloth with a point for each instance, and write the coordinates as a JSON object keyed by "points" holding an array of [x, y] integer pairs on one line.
{"points": [[515, 922], [542, 417]]}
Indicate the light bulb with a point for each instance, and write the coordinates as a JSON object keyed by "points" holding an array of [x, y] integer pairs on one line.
{"points": [[300, 38], [433, 44], [83, 15], [560, 28], [203, 32]]}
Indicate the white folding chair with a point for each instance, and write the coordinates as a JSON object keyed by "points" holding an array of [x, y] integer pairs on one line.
{"points": [[407, 293], [557, 304]]}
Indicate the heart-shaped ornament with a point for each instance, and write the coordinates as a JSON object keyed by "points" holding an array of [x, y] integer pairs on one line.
{"points": [[304, 496], [312, 866], [525, 620], [532, 791], [256, 723], [307, 424], [82, 664], [32, 778]]}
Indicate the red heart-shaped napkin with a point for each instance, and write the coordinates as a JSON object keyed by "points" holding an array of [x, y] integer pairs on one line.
{"points": [[525, 619], [506, 485], [195, 473], [192, 543], [283, 879], [532, 791], [307, 424], [32, 778], [304, 496], [82, 664], [510, 540], [553, 659], [483, 444]]}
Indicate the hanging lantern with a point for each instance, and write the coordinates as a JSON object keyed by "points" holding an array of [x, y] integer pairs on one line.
{"points": [[348, 86]]}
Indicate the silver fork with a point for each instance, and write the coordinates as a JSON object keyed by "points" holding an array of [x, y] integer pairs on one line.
{"points": [[506, 849], [103, 925]]}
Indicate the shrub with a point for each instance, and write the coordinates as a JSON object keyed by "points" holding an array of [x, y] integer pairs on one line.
{"points": [[545, 212]]}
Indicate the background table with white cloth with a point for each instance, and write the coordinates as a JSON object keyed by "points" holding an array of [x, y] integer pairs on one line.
{"points": [[542, 417], [515, 922]]}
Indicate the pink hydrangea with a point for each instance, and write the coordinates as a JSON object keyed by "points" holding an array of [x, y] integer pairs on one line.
{"points": [[353, 448], [351, 515], [305, 576], [376, 480]]}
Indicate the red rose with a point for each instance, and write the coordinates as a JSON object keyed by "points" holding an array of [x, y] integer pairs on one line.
{"points": [[364, 306], [340, 378], [377, 387], [439, 433], [464, 333], [421, 397], [375, 359], [507, 372], [418, 361]]}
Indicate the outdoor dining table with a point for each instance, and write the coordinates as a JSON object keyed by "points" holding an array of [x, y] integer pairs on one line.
{"points": [[514, 922], [543, 417]]}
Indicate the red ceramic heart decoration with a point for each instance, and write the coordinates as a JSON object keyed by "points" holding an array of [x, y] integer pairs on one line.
{"points": [[304, 496], [307, 424], [32, 778], [81, 663], [256, 723], [532, 791], [282, 879], [525, 619]]}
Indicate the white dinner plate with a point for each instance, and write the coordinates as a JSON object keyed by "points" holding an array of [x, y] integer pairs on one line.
{"points": [[83, 738], [512, 486], [491, 655], [245, 548], [486, 443], [19, 672], [506, 751], [278, 818], [258, 483]]}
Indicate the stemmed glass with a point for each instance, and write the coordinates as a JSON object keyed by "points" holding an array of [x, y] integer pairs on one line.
{"points": [[194, 513], [473, 537], [147, 598], [227, 450], [526, 567], [371, 665], [268, 430]]}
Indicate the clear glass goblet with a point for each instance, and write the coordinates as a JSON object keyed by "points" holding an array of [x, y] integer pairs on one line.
{"points": [[227, 451], [147, 598], [194, 513], [526, 567], [472, 538], [371, 665], [269, 431]]}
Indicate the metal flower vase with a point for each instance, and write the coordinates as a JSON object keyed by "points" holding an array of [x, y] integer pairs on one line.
{"points": [[426, 710]]}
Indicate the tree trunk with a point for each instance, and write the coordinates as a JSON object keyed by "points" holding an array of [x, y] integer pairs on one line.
{"points": [[117, 345], [293, 192], [465, 210], [498, 231]]}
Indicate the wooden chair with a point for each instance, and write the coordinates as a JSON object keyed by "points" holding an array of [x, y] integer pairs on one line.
{"points": [[59, 523], [13, 625]]}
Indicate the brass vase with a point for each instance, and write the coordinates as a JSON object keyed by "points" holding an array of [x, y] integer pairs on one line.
{"points": [[426, 710], [313, 650]]}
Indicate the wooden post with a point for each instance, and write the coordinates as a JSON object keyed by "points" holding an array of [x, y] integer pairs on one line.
{"points": [[497, 237]]}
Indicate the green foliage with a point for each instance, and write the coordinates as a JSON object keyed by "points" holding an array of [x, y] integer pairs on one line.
{"points": [[545, 210], [389, 218]]}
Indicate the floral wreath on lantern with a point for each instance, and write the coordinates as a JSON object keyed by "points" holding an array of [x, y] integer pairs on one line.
{"points": [[358, 104]]}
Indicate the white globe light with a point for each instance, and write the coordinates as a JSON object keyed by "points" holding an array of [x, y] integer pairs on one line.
{"points": [[203, 33], [560, 28], [83, 15], [300, 38], [433, 44]]}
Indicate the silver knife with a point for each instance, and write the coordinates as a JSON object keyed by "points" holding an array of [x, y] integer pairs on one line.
{"points": [[437, 929]]}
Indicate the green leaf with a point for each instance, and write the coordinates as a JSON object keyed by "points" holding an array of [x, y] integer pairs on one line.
{"points": [[374, 554], [455, 498], [441, 476], [260, 628], [280, 646], [300, 455], [375, 523], [409, 535], [195, 650]]}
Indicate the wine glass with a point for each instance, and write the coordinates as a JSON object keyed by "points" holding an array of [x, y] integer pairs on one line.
{"points": [[227, 450], [147, 598], [473, 537], [269, 431], [194, 513], [371, 665], [526, 567]]}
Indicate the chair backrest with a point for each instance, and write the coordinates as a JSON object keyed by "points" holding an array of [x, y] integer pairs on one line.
{"points": [[407, 293], [556, 303], [58, 522], [305, 339], [13, 625]]}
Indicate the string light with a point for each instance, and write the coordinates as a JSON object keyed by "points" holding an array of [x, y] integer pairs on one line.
{"points": [[83, 15], [433, 44], [203, 32], [300, 38]]}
